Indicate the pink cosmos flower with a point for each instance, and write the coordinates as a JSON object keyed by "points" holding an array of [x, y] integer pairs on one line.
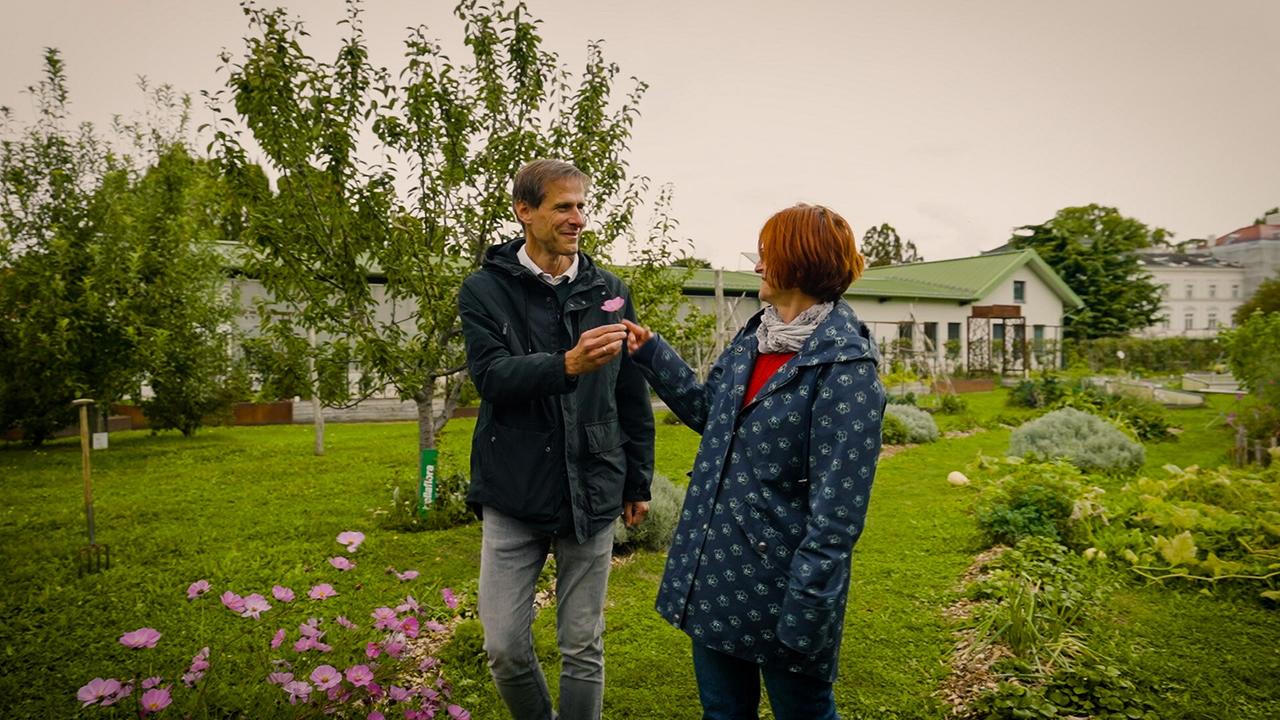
{"points": [[124, 692], [282, 593], [341, 563], [200, 662], [375, 715], [321, 591], [254, 606], [613, 304], [141, 638], [197, 589], [450, 600], [344, 622], [155, 700], [152, 682], [394, 648], [374, 690], [434, 626], [385, 618], [190, 679], [280, 678], [234, 602], [351, 539], [428, 663], [457, 713], [277, 639], [409, 626], [299, 691], [97, 689], [398, 694], [326, 676], [359, 675], [409, 605], [407, 575], [429, 695], [311, 628]]}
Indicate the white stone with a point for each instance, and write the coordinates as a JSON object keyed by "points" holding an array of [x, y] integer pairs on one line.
{"points": [[955, 477]]}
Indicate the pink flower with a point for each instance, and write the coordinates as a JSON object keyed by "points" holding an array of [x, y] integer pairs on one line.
{"points": [[124, 692], [190, 679], [254, 606], [434, 626], [613, 304], [351, 539], [457, 713], [199, 663], [407, 575], [277, 639], [409, 626], [375, 715], [141, 638], [344, 622], [282, 593], [341, 563], [374, 690], [311, 628], [394, 648], [321, 591], [428, 663], [450, 600], [372, 650], [152, 682], [359, 675], [326, 676], [280, 678], [385, 618], [97, 689], [299, 691], [234, 602], [304, 644], [409, 605], [197, 589], [155, 700], [398, 694]]}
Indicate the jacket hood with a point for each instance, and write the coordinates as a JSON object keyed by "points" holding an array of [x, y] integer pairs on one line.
{"points": [[840, 337], [503, 257]]}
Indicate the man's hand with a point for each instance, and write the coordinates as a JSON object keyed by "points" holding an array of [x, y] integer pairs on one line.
{"points": [[595, 348], [637, 335], [633, 511]]}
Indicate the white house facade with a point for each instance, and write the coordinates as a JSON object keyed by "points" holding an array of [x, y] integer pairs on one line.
{"points": [[1198, 293], [1255, 248]]}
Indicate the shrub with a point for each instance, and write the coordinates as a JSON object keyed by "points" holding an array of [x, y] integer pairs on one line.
{"points": [[1147, 355], [952, 405], [655, 532], [904, 399], [921, 427], [1084, 440], [1038, 393], [894, 431], [449, 509], [1045, 500], [1143, 419]]}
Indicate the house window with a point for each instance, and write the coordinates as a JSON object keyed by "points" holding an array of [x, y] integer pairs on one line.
{"points": [[1019, 291], [1189, 321], [1213, 291], [1165, 322], [997, 333], [1164, 290], [1235, 291], [931, 334], [1188, 290], [1213, 320], [953, 332], [906, 330], [1037, 337]]}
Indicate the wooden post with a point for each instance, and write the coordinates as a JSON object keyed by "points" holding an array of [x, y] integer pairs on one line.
{"points": [[720, 309], [316, 409], [83, 404]]}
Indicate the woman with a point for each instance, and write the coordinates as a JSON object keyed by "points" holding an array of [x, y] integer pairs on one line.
{"points": [[790, 420]]}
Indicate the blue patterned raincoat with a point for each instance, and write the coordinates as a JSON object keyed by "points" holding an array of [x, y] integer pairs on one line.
{"points": [[759, 564]]}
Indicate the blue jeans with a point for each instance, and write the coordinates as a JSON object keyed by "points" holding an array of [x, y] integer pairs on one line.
{"points": [[511, 557], [729, 689]]}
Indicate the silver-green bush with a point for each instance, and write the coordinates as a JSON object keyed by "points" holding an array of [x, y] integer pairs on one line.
{"points": [[1086, 441], [655, 532], [921, 427]]}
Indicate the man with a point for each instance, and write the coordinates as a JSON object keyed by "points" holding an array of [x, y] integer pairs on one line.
{"points": [[563, 443]]}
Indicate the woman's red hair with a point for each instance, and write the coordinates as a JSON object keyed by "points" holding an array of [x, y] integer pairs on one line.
{"points": [[812, 249]]}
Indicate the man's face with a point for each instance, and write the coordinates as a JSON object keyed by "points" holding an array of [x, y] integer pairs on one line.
{"points": [[554, 226]]}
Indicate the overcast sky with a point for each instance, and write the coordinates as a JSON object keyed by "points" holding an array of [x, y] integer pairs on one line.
{"points": [[953, 121]]}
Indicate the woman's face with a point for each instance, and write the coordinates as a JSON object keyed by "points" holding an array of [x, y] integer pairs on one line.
{"points": [[766, 290]]}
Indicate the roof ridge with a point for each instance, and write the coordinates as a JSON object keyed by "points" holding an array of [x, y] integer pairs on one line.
{"points": [[946, 286]]}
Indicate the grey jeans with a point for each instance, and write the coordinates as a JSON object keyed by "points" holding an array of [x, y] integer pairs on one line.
{"points": [[511, 557]]}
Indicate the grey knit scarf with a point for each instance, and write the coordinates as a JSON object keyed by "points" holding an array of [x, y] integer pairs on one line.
{"points": [[775, 336]]}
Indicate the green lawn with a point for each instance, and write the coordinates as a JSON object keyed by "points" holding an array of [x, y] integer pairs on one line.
{"points": [[248, 507]]}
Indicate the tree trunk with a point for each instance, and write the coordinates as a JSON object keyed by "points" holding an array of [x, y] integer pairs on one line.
{"points": [[426, 422]]}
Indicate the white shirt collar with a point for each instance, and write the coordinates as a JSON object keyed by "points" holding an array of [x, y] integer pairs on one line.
{"points": [[567, 276]]}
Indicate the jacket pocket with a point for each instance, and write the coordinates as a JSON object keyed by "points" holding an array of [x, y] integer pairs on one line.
{"points": [[516, 465], [604, 466]]}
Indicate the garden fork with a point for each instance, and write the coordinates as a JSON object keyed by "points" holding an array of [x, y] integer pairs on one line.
{"points": [[94, 557]]}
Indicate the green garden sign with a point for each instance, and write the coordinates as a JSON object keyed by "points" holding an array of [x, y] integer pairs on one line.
{"points": [[427, 480]]}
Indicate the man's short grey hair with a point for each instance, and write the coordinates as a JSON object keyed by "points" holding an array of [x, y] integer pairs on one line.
{"points": [[530, 186]]}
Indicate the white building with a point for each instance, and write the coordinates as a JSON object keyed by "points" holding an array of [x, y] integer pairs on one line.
{"points": [[1255, 248], [1198, 293], [1002, 311]]}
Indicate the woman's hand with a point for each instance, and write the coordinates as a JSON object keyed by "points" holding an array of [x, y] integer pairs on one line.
{"points": [[637, 335]]}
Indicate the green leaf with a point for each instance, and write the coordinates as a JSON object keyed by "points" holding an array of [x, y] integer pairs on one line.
{"points": [[1180, 550]]}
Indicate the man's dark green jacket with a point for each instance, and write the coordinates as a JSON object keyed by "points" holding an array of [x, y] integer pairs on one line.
{"points": [[541, 431]]}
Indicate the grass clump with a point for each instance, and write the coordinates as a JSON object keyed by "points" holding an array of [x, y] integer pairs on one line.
{"points": [[1086, 441]]}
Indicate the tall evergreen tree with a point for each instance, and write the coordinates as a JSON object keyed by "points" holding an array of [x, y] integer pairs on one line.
{"points": [[883, 246]]}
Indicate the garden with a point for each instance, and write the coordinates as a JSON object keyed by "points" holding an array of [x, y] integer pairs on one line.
{"points": [[251, 578]]}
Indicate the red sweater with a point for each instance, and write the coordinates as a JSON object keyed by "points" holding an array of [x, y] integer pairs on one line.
{"points": [[766, 365]]}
